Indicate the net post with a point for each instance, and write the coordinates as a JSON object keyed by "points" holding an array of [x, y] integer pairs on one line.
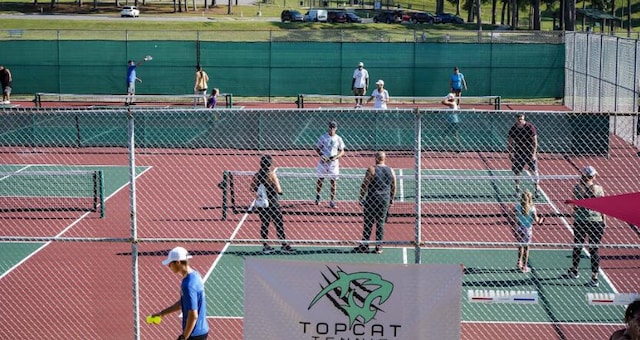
{"points": [[498, 103], [101, 192], [77, 122], [223, 185], [300, 101], [229, 100]]}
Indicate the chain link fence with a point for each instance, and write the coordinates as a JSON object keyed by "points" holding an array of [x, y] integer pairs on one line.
{"points": [[602, 75], [181, 177]]}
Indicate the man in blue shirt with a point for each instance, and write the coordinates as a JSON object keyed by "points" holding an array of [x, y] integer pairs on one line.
{"points": [[192, 302], [456, 83], [131, 80]]}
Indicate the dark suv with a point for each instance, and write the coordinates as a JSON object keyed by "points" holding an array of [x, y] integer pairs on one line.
{"points": [[448, 18], [337, 16], [291, 15], [389, 17], [423, 17]]}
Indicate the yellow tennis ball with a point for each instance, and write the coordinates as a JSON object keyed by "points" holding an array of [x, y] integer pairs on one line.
{"points": [[154, 319]]}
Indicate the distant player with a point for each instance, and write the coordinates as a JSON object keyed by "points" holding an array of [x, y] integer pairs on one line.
{"points": [[380, 95], [453, 120], [360, 83], [457, 83], [522, 145], [330, 147], [131, 80], [450, 101]]}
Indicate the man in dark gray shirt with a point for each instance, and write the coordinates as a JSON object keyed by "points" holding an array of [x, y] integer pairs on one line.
{"points": [[376, 195]]}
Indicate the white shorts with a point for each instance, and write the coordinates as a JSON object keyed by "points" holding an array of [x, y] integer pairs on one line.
{"points": [[328, 169], [524, 234]]}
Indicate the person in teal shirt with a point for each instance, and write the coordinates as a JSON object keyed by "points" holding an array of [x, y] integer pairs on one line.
{"points": [[457, 83]]}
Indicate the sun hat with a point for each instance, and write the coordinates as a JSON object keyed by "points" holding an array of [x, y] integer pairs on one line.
{"points": [[589, 171], [380, 82], [360, 64], [177, 254]]}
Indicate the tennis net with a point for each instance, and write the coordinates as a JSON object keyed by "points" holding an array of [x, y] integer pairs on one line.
{"points": [[441, 194], [340, 101], [154, 100], [33, 191]]}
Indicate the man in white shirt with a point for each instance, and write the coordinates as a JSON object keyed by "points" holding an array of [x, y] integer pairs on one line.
{"points": [[330, 148], [360, 83], [380, 95]]}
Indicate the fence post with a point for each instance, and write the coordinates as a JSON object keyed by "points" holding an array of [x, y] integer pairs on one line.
{"points": [[134, 229], [418, 196]]}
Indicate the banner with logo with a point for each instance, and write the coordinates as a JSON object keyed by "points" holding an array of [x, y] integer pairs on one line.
{"points": [[322, 300]]}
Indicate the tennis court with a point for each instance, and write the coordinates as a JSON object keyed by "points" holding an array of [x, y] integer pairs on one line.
{"points": [[29, 198], [489, 192], [180, 204]]}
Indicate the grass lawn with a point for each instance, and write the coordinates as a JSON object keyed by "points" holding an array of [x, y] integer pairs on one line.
{"points": [[243, 17]]}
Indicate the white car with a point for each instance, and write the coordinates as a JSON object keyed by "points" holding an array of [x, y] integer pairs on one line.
{"points": [[130, 11]]}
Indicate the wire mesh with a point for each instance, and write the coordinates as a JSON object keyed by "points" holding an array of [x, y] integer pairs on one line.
{"points": [[463, 214]]}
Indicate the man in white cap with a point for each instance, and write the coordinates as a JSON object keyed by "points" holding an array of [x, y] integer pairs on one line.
{"points": [[587, 223], [360, 83], [192, 302], [380, 95]]}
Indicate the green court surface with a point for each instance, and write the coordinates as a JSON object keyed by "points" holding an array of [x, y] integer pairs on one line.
{"points": [[13, 253], [114, 176], [561, 299], [487, 187]]}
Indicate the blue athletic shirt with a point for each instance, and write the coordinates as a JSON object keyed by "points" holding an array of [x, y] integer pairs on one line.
{"points": [[456, 81], [131, 73], [193, 298]]}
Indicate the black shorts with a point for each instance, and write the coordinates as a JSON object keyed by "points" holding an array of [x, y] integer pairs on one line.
{"points": [[519, 161], [457, 92]]}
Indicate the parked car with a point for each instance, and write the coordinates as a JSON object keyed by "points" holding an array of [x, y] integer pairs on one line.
{"points": [[316, 15], [337, 16], [291, 15], [352, 17], [422, 18], [130, 11], [448, 18], [389, 17]]}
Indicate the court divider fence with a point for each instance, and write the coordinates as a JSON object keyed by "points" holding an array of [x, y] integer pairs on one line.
{"points": [[164, 176], [601, 75]]}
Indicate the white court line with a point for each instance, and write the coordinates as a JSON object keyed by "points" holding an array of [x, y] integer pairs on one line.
{"points": [[67, 228], [19, 170]]}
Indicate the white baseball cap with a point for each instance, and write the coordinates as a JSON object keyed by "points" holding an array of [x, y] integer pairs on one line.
{"points": [[177, 254], [589, 171], [360, 64], [380, 82]]}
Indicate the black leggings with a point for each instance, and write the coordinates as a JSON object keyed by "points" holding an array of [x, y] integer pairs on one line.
{"points": [[594, 230], [266, 216]]}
